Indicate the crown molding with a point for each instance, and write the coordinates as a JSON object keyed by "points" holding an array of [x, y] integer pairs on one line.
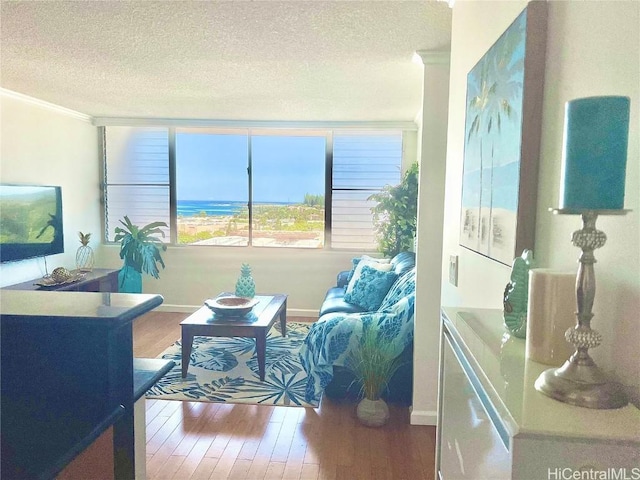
{"points": [[434, 57], [176, 122], [49, 106], [185, 122], [449, 2]]}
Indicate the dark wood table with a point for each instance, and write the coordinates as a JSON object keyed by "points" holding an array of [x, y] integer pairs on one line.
{"points": [[255, 324], [97, 280]]}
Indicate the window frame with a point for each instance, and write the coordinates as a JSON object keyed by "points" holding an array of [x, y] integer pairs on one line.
{"points": [[291, 132], [290, 129]]}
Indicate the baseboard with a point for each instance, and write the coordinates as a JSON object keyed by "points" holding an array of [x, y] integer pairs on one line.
{"points": [[302, 312], [292, 312], [423, 417]]}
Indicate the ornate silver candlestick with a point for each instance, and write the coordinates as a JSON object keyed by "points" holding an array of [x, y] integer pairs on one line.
{"points": [[579, 381]]}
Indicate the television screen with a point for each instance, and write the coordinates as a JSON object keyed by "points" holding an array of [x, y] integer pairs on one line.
{"points": [[30, 221]]}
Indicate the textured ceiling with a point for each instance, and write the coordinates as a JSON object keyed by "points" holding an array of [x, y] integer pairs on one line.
{"points": [[225, 60]]}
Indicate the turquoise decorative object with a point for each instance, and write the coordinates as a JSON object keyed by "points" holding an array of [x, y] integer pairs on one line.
{"points": [[516, 295], [596, 133], [129, 280], [245, 286], [140, 249]]}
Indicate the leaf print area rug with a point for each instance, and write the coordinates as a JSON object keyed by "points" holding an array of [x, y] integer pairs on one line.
{"points": [[226, 370]]}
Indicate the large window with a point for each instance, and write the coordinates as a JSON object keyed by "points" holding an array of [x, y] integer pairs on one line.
{"points": [[137, 176], [362, 165], [287, 190], [211, 187], [239, 187]]}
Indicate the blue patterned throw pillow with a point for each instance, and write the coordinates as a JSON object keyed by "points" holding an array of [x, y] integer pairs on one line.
{"points": [[356, 261], [369, 288]]}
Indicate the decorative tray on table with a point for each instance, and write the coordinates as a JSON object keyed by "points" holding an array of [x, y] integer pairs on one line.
{"points": [[231, 305], [51, 281]]}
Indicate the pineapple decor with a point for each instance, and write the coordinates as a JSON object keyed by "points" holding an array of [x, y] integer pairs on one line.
{"points": [[84, 256], [245, 286]]}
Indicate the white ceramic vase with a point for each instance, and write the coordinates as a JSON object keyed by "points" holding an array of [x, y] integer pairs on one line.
{"points": [[551, 312], [372, 413]]}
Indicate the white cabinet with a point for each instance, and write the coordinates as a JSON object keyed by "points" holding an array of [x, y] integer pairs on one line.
{"points": [[472, 446], [493, 424]]}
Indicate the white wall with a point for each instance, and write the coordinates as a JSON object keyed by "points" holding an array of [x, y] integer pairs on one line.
{"points": [[46, 145], [194, 274], [593, 48]]}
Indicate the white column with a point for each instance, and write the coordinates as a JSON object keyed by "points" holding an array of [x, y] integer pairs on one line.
{"points": [[433, 153]]}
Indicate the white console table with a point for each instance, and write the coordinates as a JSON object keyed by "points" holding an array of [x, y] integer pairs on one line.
{"points": [[493, 424]]}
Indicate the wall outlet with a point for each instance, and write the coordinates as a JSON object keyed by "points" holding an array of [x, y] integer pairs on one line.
{"points": [[453, 270]]}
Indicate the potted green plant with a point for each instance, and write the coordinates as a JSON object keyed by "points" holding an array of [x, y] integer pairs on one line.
{"points": [[140, 249], [395, 215], [373, 364]]}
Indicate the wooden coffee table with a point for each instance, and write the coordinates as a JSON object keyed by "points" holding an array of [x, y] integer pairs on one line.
{"points": [[256, 324]]}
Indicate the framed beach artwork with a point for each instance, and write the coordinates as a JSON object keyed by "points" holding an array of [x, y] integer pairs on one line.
{"points": [[502, 140]]}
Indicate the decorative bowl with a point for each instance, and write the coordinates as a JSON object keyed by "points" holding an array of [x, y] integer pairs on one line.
{"points": [[231, 305], [62, 278]]}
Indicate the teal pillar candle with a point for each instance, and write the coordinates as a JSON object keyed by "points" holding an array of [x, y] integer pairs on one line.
{"points": [[596, 133]]}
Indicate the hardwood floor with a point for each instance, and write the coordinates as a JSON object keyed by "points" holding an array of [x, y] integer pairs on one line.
{"points": [[195, 440]]}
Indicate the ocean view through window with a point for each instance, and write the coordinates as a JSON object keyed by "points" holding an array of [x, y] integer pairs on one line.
{"points": [[288, 183], [249, 187], [284, 195], [212, 187]]}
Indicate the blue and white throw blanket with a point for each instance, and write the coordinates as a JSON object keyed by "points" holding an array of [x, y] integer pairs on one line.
{"points": [[331, 339]]}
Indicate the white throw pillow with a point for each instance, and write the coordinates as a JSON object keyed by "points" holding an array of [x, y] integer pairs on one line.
{"points": [[373, 263], [355, 261], [373, 259]]}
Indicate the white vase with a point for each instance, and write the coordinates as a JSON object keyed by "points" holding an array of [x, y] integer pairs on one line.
{"points": [[372, 413], [551, 312]]}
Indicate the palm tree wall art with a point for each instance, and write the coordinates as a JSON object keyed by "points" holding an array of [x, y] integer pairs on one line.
{"points": [[502, 138]]}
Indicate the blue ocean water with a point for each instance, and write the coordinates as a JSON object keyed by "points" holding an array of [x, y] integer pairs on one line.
{"points": [[190, 208]]}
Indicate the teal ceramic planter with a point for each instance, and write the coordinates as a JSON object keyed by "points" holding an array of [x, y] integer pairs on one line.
{"points": [[129, 280]]}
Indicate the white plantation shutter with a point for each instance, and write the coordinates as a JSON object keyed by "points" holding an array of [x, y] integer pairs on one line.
{"points": [[363, 163], [137, 176]]}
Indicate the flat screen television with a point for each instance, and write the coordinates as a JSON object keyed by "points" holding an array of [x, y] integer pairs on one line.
{"points": [[30, 221]]}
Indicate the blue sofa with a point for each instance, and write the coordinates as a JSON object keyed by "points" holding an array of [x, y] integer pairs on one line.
{"points": [[338, 330]]}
